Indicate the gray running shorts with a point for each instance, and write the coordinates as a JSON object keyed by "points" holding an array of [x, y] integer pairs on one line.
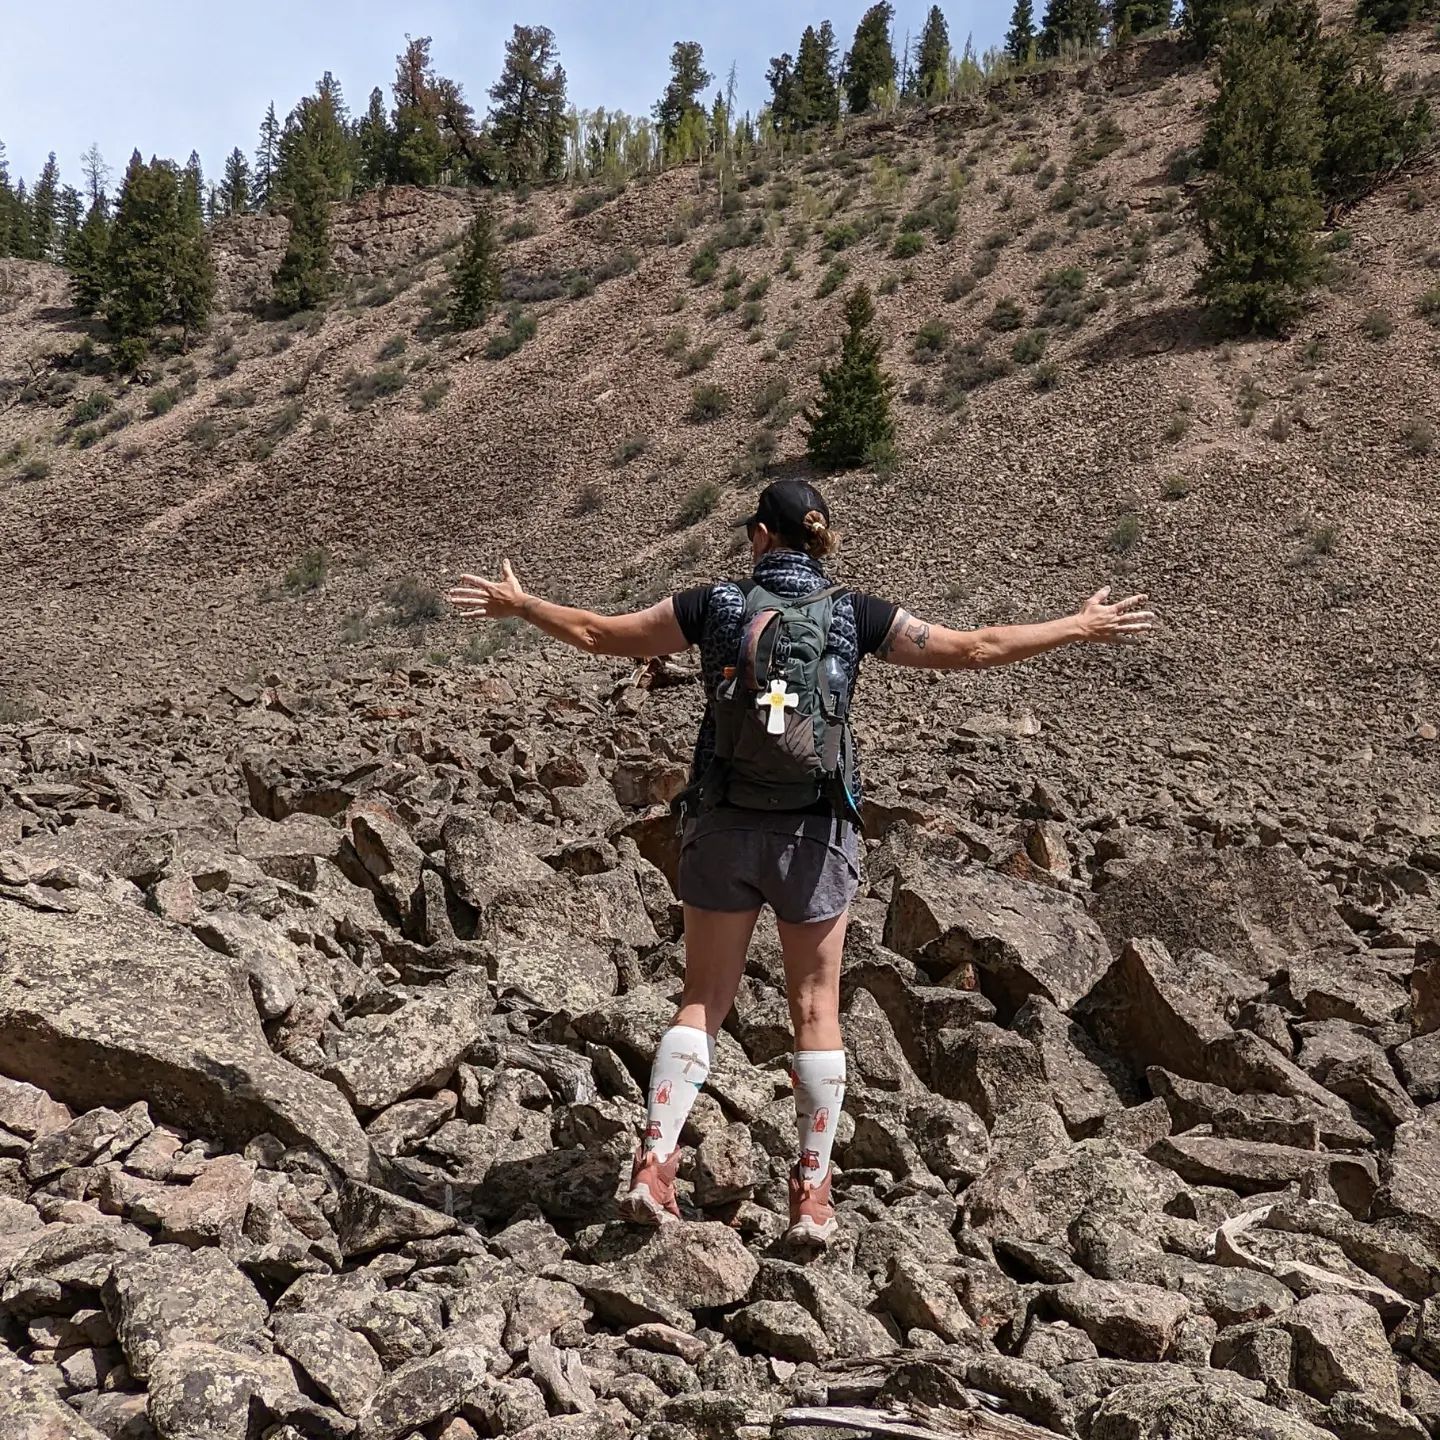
{"points": [[802, 870]]}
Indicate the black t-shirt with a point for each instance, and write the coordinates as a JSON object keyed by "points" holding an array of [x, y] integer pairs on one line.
{"points": [[873, 616]]}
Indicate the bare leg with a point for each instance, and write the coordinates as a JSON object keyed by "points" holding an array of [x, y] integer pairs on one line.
{"points": [[812, 973], [715, 946]]}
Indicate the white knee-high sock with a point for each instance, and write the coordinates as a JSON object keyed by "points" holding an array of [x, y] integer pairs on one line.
{"points": [[682, 1065], [819, 1080]]}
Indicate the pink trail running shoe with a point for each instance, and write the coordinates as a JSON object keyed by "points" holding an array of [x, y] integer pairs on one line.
{"points": [[651, 1197], [812, 1216]]}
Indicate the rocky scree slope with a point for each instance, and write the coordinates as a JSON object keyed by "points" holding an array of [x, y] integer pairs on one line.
{"points": [[324, 1048], [1275, 497]]}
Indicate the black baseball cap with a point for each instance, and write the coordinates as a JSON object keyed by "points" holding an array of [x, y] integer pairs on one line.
{"points": [[783, 506]]}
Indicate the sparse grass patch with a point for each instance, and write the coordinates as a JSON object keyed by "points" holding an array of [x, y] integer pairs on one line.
{"points": [[840, 237], [968, 367], [241, 397], [204, 434], [1008, 314], [1321, 540], [1126, 534], [520, 326], [1377, 324], [707, 402], [630, 448], [771, 398], [1177, 428], [413, 603], [160, 402], [1428, 306], [484, 644], [433, 394], [1339, 240], [908, 245], [363, 390], [692, 362], [930, 340], [704, 265], [520, 228], [959, 286], [589, 499], [1418, 434], [275, 429], [832, 279], [1175, 487], [392, 348], [308, 572], [37, 467], [759, 451], [696, 504], [676, 341], [1046, 376], [1029, 347], [89, 408]]}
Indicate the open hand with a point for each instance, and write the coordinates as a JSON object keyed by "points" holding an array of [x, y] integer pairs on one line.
{"points": [[1103, 623], [479, 599]]}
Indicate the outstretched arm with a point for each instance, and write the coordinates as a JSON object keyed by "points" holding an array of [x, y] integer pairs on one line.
{"points": [[641, 634], [934, 647]]}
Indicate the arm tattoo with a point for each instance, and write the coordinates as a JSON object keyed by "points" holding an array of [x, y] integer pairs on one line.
{"points": [[896, 625], [918, 632]]}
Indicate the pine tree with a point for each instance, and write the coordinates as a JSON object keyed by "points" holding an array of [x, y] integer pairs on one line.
{"points": [[1364, 129], [1020, 41], [97, 175], [1203, 21], [192, 273], [44, 203], [1389, 15], [142, 243], [1070, 23], [267, 157], [20, 223], [69, 213], [528, 109], [417, 149], [870, 65], [933, 64], [851, 419], [9, 216], [375, 145], [303, 279], [235, 188], [192, 187], [781, 79], [814, 97], [477, 276], [321, 119], [688, 77], [1259, 212], [87, 262], [1135, 17]]}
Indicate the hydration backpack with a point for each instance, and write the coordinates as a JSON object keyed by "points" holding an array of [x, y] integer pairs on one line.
{"points": [[782, 732]]}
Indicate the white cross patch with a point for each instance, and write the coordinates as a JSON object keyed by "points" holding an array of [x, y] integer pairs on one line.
{"points": [[779, 702]]}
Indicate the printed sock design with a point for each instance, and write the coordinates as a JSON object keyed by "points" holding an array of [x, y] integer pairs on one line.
{"points": [[818, 1077], [682, 1065]]}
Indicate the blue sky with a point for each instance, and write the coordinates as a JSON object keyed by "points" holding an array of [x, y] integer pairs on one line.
{"points": [[166, 77]]}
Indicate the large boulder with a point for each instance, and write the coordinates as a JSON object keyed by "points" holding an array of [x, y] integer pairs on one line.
{"points": [[1155, 1009], [1254, 908], [168, 1295], [1188, 1410], [1255, 1166], [383, 1058], [31, 1410], [109, 1005], [1019, 939]]}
